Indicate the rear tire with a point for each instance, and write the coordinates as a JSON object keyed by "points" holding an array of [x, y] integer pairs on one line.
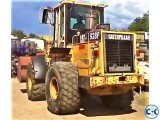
{"points": [[23, 75], [120, 101], [35, 88], [62, 88]]}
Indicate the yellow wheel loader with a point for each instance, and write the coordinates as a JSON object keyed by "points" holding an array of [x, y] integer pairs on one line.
{"points": [[86, 55]]}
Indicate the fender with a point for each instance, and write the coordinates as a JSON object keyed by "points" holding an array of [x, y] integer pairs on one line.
{"points": [[22, 68], [40, 67]]}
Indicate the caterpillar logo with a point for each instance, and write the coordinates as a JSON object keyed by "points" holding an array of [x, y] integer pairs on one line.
{"points": [[118, 37]]}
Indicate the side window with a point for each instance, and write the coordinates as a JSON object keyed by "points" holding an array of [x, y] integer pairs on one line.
{"points": [[77, 17], [62, 14], [56, 26], [78, 14], [74, 21]]}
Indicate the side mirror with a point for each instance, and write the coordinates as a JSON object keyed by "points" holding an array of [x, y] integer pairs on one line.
{"points": [[43, 15], [46, 16]]}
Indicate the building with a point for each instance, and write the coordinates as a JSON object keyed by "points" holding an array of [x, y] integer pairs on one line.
{"points": [[47, 37]]}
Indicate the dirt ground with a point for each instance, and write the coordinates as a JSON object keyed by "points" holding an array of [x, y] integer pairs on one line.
{"points": [[23, 109]]}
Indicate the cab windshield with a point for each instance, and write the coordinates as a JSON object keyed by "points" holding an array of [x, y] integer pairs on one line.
{"points": [[78, 14]]}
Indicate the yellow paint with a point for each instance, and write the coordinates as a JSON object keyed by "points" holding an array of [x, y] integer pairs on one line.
{"points": [[84, 60], [53, 89], [79, 3], [83, 72], [97, 81], [83, 63], [140, 35], [81, 55], [110, 89], [47, 37], [29, 83]]}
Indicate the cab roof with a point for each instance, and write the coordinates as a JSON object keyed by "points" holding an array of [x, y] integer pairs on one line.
{"points": [[79, 3]]}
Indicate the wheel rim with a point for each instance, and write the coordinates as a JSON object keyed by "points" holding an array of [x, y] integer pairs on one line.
{"points": [[29, 83], [54, 88]]}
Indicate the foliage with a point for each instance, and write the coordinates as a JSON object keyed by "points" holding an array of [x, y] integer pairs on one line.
{"points": [[140, 23], [18, 33], [32, 35]]}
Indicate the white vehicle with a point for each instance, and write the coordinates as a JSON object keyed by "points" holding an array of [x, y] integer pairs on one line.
{"points": [[144, 69], [40, 43], [13, 37], [143, 46]]}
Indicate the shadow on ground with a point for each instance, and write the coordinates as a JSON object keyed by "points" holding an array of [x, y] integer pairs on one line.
{"points": [[92, 106], [23, 90]]}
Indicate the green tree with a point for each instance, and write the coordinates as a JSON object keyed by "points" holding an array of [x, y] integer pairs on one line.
{"points": [[19, 33], [32, 35], [41, 38], [140, 23]]}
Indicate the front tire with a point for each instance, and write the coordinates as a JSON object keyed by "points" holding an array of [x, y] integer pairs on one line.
{"points": [[62, 88], [35, 88]]}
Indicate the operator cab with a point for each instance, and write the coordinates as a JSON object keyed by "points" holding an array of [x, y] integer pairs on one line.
{"points": [[84, 18], [73, 18]]}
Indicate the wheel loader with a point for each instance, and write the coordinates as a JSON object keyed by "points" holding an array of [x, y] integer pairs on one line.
{"points": [[91, 58]]}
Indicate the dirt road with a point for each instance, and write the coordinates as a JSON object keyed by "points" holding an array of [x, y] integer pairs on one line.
{"points": [[23, 109]]}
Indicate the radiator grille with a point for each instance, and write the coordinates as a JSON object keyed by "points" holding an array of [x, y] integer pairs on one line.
{"points": [[119, 55]]}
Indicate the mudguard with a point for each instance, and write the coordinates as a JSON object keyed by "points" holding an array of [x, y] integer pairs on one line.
{"points": [[40, 67], [22, 68]]}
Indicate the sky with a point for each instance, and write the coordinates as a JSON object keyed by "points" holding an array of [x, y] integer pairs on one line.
{"points": [[120, 13]]}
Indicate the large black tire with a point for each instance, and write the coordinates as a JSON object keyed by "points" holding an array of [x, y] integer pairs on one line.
{"points": [[32, 48], [17, 49], [120, 101], [13, 71], [35, 88], [64, 77]]}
